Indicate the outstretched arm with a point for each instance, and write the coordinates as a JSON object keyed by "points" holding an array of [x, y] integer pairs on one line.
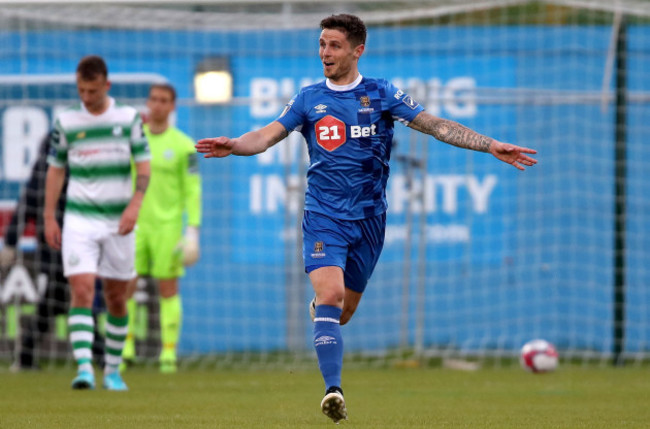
{"points": [[248, 144], [459, 135]]}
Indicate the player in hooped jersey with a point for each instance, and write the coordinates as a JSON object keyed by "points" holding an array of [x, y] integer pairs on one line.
{"points": [[96, 141], [347, 121]]}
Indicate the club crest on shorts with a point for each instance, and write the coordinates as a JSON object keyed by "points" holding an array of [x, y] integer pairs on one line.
{"points": [[318, 250], [73, 260]]}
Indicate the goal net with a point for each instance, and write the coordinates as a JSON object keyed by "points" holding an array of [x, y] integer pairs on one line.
{"points": [[479, 258]]}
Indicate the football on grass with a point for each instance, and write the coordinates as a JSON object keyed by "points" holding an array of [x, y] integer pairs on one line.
{"points": [[538, 356]]}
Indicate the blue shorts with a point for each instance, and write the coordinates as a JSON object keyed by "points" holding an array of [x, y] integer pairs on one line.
{"points": [[353, 245]]}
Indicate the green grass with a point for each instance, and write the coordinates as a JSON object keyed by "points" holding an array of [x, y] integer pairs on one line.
{"points": [[572, 397]]}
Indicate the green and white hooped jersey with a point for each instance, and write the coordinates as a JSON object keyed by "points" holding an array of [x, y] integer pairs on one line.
{"points": [[97, 149]]}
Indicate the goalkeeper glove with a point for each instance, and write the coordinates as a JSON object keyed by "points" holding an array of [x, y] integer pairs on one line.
{"points": [[191, 246]]}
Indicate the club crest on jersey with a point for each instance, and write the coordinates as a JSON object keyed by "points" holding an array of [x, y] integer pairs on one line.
{"points": [[365, 105], [117, 130], [318, 250], [321, 108]]}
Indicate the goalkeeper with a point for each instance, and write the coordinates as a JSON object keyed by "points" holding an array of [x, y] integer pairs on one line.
{"points": [[173, 199]]}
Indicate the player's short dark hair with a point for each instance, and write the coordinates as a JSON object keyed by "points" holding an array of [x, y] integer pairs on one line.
{"points": [[352, 26], [92, 66], [165, 87]]}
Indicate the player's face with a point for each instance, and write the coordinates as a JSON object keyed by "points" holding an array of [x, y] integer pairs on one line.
{"points": [[93, 93], [160, 105], [339, 57]]}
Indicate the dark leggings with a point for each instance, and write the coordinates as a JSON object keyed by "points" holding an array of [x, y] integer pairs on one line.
{"points": [[55, 302]]}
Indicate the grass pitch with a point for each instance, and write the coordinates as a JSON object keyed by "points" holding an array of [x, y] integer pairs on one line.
{"points": [[572, 397]]}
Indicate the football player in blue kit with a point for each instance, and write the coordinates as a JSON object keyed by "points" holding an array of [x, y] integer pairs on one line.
{"points": [[347, 121]]}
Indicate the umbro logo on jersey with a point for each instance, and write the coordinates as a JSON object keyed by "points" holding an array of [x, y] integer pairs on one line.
{"points": [[321, 108]]}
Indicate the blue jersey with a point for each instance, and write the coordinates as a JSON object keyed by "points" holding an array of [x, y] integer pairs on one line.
{"points": [[349, 135]]}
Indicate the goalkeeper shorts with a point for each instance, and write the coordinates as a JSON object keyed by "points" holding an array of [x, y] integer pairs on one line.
{"points": [[159, 251]]}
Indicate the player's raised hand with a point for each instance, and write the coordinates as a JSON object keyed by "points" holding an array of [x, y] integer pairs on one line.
{"points": [[215, 147], [512, 154]]}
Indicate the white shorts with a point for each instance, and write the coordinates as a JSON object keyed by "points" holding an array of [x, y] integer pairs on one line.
{"points": [[99, 251]]}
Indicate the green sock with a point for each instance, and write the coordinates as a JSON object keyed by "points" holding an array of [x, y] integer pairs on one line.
{"points": [[129, 343], [171, 313], [116, 328], [81, 328]]}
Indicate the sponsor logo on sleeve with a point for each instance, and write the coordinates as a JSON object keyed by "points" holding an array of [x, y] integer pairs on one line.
{"points": [[412, 104]]}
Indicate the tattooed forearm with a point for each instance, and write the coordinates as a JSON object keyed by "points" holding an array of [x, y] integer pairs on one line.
{"points": [[141, 183], [451, 132]]}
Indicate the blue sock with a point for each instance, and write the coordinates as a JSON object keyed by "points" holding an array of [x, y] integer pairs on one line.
{"points": [[328, 343]]}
